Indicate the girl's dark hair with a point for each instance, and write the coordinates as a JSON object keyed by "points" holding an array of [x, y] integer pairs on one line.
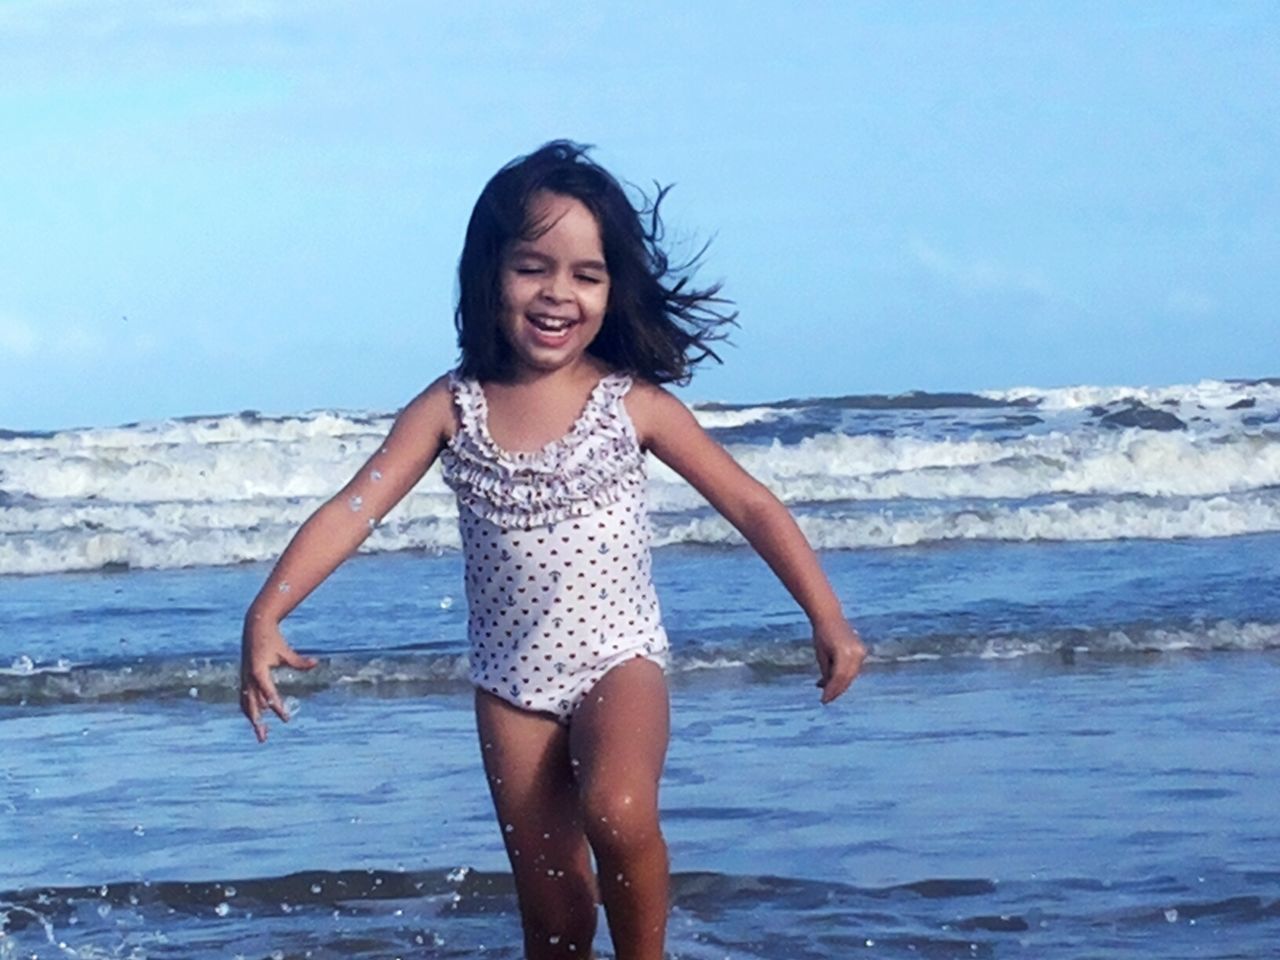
{"points": [[655, 326]]}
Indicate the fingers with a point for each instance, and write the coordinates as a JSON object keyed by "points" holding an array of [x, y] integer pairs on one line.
{"points": [[266, 688], [839, 668], [258, 691], [836, 686], [824, 667], [251, 706], [291, 658]]}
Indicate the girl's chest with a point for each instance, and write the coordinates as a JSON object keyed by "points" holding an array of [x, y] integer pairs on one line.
{"points": [[528, 424]]}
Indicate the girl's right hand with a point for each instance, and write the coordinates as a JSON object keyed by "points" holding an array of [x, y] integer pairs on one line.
{"points": [[263, 646]]}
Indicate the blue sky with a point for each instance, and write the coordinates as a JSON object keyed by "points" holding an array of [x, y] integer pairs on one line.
{"points": [[208, 207]]}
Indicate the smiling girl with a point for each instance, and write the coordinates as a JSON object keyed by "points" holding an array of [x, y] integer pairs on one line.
{"points": [[568, 323]]}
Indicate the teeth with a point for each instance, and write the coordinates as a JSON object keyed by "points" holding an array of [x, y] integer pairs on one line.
{"points": [[552, 324]]}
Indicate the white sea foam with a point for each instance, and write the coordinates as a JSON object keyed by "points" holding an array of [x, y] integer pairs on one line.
{"points": [[362, 672], [1063, 521], [219, 490], [1209, 394], [738, 417], [179, 546], [833, 467]]}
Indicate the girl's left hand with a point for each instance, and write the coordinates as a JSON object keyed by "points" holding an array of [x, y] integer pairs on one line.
{"points": [[840, 653]]}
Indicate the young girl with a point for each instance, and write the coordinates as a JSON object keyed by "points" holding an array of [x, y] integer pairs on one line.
{"points": [[567, 322]]}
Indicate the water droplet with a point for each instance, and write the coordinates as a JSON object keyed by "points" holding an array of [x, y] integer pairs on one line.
{"points": [[1171, 915], [315, 888], [137, 830], [458, 875], [284, 587], [553, 939], [509, 828], [446, 603], [229, 892], [373, 523], [871, 943], [194, 693], [222, 909], [356, 503], [375, 476], [104, 909]]}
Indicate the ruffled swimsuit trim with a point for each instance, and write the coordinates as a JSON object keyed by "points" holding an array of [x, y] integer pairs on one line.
{"points": [[592, 466]]}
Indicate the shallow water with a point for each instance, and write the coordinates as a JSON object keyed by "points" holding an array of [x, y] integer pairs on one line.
{"points": [[1063, 745], [970, 808]]}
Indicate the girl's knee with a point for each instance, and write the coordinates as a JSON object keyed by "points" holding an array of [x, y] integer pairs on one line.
{"points": [[621, 818]]}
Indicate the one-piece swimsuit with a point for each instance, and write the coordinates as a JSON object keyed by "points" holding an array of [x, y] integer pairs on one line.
{"points": [[556, 541]]}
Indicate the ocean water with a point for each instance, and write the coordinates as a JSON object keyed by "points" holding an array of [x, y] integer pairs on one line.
{"points": [[1062, 746]]}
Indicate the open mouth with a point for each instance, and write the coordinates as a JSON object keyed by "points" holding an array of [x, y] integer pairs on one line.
{"points": [[548, 324]]}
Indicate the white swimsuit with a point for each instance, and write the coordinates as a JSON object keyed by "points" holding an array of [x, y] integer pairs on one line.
{"points": [[556, 541]]}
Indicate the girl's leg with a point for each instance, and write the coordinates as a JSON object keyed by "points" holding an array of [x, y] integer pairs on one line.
{"points": [[526, 758], [619, 742]]}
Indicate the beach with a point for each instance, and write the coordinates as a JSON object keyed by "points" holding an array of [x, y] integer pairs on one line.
{"points": [[1062, 745]]}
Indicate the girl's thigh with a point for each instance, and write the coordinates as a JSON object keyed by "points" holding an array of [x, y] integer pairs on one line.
{"points": [[535, 795], [619, 735]]}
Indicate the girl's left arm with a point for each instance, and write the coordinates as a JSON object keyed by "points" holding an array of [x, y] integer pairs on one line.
{"points": [[667, 428]]}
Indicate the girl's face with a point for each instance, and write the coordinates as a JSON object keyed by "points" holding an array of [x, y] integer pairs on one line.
{"points": [[555, 288]]}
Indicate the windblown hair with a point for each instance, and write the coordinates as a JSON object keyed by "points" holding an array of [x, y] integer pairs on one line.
{"points": [[655, 326]]}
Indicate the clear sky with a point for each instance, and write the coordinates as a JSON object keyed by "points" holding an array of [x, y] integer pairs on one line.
{"points": [[213, 206]]}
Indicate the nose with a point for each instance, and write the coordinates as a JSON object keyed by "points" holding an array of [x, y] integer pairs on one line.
{"points": [[556, 287]]}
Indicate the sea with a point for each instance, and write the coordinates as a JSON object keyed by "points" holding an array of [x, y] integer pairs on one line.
{"points": [[1063, 745]]}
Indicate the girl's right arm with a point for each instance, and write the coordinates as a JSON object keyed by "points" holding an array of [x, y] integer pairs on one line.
{"points": [[328, 537]]}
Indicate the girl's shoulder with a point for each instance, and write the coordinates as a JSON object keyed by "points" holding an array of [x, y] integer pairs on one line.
{"points": [[434, 411], [653, 409]]}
